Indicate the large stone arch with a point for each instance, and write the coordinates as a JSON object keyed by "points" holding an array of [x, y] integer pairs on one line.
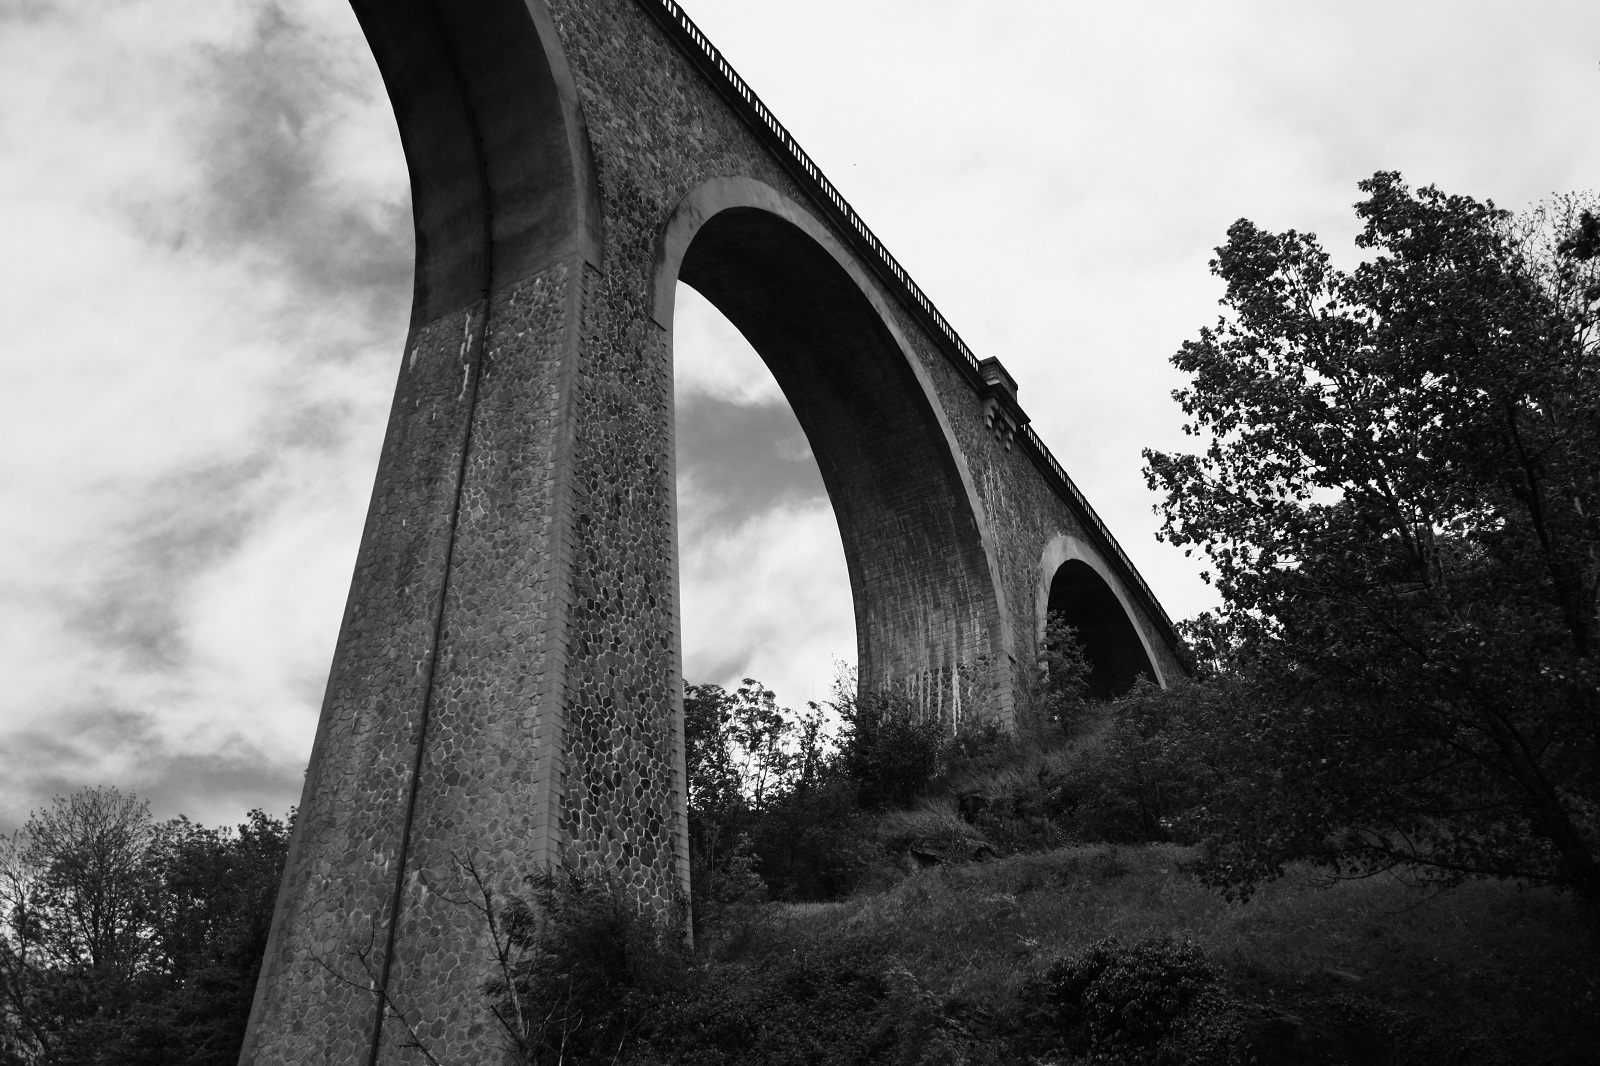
{"points": [[929, 603], [1074, 578]]}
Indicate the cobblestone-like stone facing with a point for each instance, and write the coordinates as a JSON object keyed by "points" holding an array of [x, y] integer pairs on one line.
{"points": [[624, 797], [554, 729], [316, 1004], [483, 791]]}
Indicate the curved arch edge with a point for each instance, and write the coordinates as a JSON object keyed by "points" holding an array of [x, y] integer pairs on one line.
{"points": [[715, 195], [502, 175], [1065, 548], [589, 237]]}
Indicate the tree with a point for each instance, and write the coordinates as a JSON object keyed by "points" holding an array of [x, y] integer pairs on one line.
{"points": [[713, 777], [94, 889], [888, 748], [218, 888], [130, 942], [1063, 684], [1399, 497], [78, 898]]}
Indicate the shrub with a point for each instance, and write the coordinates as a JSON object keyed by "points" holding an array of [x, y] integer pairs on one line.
{"points": [[1062, 689], [727, 887], [888, 749], [810, 843], [979, 748], [1167, 761], [802, 1006], [1153, 1001], [581, 965]]}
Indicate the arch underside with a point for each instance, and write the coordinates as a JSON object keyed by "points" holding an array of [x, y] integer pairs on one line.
{"points": [[494, 139], [920, 580]]}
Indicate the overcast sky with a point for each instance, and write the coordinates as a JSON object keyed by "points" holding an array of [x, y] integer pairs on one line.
{"points": [[206, 277]]}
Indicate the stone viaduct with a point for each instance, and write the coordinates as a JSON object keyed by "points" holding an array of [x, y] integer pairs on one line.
{"points": [[506, 690]]}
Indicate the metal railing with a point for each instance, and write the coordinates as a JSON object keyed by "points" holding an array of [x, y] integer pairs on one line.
{"points": [[699, 49]]}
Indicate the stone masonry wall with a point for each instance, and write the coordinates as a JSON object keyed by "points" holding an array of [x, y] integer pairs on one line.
{"points": [[349, 830], [484, 804]]}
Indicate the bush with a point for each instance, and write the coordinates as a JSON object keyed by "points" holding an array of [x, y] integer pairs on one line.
{"points": [[811, 843], [1062, 690], [581, 966], [1166, 763], [888, 750], [803, 1006], [977, 749], [1153, 1001]]}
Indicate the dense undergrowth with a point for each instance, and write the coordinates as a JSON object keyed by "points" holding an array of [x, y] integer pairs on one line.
{"points": [[1079, 953], [1042, 896]]}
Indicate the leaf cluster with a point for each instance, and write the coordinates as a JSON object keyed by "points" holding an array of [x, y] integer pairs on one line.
{"points": [[1399, 496], [1154, 1001], [128, 941]]}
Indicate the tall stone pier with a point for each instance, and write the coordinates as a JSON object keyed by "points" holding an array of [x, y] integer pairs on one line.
{"points": [[506, 692]]}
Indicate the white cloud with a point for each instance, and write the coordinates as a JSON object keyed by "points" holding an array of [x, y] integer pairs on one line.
{"points": [[766, 598], [190, 417], [764, 586], [712, 358], [208, 266]]}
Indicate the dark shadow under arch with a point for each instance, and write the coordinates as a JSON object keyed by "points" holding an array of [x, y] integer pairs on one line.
{"points": [[921, 578], [1115, 653]]}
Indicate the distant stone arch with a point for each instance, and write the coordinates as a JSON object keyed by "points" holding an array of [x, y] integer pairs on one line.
{"points": [[1073, 579], [929, 602]]}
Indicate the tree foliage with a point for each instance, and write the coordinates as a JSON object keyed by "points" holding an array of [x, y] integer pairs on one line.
{"points": [[1064, 668], [762, 781], [127, 941], [1399, 496], [777, 803]]}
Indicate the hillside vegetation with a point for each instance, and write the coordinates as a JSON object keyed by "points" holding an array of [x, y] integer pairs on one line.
{"points": [[1042, 926]]}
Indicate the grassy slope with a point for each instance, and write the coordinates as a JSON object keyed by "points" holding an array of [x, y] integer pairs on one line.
{"points": [[1385, 971]]}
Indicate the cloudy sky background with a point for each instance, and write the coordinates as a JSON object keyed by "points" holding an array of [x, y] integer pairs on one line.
{"points": [[206, 277]]}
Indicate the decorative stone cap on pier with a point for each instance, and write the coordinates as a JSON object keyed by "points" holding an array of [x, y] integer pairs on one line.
{"points": [[1001, 411]]}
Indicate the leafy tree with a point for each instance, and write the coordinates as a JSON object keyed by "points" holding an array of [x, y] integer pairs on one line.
{"points": [[716, 799], [94, 887], [769, 805], [741, 748], [1165, 766], [761, 732], [129, 942], [218, 888], [1399, 496], [1064, 667], [888, 749], [78, 902]]}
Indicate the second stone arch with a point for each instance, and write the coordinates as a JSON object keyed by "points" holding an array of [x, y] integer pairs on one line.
{"points": [[1076, 585]]}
